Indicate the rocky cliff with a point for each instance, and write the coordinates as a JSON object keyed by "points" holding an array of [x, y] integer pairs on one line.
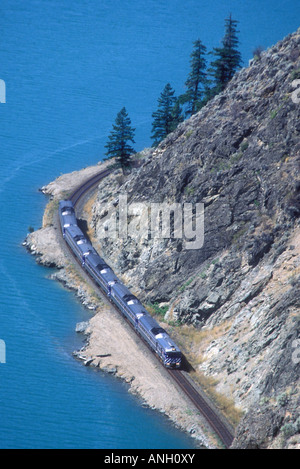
{"points": [[234, 303]]}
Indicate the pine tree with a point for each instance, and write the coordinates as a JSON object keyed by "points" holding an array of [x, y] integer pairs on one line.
{"points": [[228, 58], [167, 116], [122, 133], [197, 81], [177, 115]]}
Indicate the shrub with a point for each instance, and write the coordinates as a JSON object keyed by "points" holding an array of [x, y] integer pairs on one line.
{"points": [[244, 146], [257, 52], [157, 310], [288, 430], [282, 399], [295, 74]]}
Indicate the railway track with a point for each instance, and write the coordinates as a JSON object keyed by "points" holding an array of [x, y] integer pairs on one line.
{"points": [[222, 429], [87, 185]]}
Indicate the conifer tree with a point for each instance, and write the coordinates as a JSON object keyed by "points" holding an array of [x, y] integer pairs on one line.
{"points": [[167, 116], [177, 115], [228, 58], [197, 80], [122, 133]]}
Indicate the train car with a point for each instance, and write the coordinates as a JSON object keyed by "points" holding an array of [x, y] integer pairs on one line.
{"points": [[66, 215], [129, 305], [78, 243], [101, 272], [160, 342]]}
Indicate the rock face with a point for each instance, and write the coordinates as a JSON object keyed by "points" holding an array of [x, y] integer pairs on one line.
{"points": [[240, 157]]}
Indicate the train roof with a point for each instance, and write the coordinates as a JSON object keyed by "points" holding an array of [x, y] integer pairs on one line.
{"points": [[151, 325], [167, 343], [75, 231], [65, 204], [97, 262], [136, 307], [105, 271], [83, 244], [159, 333], [109, 276], [68, 219], [121, 290]]}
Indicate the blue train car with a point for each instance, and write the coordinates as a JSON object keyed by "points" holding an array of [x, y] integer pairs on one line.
{"points": [[129, 305], [78, 243], [101, 272], [66, 215], [157, 338], [160, 342]]}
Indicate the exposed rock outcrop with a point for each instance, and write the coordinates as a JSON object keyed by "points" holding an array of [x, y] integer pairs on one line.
{"points": [[240, 156]]}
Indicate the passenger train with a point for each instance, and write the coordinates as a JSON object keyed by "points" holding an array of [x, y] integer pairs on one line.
{"points": [[130, 306]]}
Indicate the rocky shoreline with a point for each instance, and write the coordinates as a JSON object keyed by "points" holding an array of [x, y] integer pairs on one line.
{"points": [[109, 353]]}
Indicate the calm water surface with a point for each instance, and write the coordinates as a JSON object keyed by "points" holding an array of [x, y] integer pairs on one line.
{"points": [[69, 67]]}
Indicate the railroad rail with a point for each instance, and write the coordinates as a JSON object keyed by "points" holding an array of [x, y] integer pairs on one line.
{"points": [[88, 184], [200, 403], [220, 428]]}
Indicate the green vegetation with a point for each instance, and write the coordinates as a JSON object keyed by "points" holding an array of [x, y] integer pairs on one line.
{"points": [[203, 83], [257, 52], [228, 58], [273, 114], [189, 190], [197, 81], [295, 74], [186, 284], [244, 146], [117, 145], [157, 310], [167, 116]]}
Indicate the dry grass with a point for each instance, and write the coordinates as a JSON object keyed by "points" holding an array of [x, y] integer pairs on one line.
{"points": [[193, 343], [50, 209]]}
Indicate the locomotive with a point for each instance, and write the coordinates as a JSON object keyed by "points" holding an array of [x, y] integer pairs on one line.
{"points": [[127, 303]]}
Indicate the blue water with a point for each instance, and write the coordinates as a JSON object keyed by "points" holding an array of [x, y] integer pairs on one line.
{"points": [[69, 67]]}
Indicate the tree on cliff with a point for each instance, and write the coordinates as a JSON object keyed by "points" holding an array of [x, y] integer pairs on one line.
{"points": [[167, 116], [228, 58], [117, 145], [197, 81]]}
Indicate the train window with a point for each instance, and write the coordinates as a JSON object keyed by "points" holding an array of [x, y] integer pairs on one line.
{"points": [[157, 330], [67, 211], [100, 267], [130, 299], [79, 239], [173, 355]]}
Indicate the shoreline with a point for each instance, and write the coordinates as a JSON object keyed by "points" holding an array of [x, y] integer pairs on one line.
{"points": [[108, 352]]}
